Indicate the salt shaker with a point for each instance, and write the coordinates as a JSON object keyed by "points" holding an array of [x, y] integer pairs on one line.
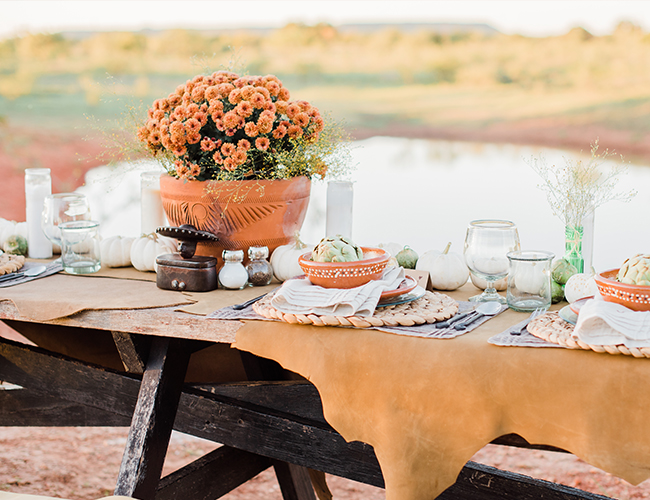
{"points": [[233, 274], [259, 269]]}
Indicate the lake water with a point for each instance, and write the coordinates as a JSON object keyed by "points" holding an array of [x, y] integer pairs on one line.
{"points": [[423, 193]]}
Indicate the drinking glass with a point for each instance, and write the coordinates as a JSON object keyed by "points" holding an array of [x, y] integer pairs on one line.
{"points": [[62, 207], [529, 280], [80, 251], [487, 244]]}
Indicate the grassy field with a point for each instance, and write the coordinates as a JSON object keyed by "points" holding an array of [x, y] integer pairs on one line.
{"points": [[63, 95]]}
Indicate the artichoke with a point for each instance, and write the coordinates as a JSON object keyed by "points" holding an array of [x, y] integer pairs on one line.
{"points": [[562, 270], [337, 249], [636, 270]]}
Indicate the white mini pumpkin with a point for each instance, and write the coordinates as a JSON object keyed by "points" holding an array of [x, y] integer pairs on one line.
{"points": [[11, 228], [447, 270], [116, 251], [145, 249], [579, 286], [284, 259]]}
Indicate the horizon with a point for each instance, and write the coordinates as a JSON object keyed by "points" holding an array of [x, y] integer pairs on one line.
{"points": [[529, 18]]}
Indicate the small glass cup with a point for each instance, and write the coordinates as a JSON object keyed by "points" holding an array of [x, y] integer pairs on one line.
{"points": [[80, 246], [529, 280]]}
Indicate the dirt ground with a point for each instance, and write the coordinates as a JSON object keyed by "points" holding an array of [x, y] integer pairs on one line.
{"points": [[82, 463]]}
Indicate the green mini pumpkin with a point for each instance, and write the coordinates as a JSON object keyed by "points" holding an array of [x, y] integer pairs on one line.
{"points": [[16, 245]]}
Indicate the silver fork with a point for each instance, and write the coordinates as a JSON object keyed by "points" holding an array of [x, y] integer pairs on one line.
{"points": [[533, 315]]}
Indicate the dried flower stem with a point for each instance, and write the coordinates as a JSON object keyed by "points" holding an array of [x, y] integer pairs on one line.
{"points": [[578, 188]]}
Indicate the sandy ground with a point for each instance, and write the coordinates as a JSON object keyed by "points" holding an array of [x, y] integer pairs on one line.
{"points": [[82, 463]]}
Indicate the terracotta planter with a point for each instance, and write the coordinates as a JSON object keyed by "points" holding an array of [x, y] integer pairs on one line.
{"points": [[240, 213]]}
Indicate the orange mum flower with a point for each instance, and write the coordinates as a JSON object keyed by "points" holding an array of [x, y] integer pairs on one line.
{"points": [[264, 126], [301, 119], [281, 107], [235, 96], [181, 170], [193, 138], [262, 143], [208, 144], [244, 109], [195, 170], [240, 157], [227, 149], [218, 159], [176, 128], [229, 164], [211, 92], [284, 94], [143, 133], [257, 100], [294, 131], [247, 91], [244, 145], [292, 110], [179, 150], [273, 87], [198, 93], [251, 129], [173, 100], [192, 126], [319, 124], [280, 132], [232, 120], [201, 117]]}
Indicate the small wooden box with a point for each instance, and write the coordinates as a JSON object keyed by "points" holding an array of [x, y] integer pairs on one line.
{"points": [[197, 274]]}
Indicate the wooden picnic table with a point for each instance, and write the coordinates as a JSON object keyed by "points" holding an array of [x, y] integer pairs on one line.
{"points": [[155, 369]]}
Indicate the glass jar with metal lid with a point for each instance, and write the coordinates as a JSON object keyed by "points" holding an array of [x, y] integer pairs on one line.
{"points": [[259, 269]]}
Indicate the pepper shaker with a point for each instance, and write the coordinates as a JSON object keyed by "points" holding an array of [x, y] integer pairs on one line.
{"points": [[259, 269], [233, 274]]}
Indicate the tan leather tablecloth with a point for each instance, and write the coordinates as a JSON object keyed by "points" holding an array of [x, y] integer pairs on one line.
{"points": [[427, 405]]}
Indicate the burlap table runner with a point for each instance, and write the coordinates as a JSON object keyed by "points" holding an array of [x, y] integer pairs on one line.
{"points": [[427, 407], [67, 294]]}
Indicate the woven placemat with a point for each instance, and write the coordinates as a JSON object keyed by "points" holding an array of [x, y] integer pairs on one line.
{"points": [[554, 329], [431, 308]]}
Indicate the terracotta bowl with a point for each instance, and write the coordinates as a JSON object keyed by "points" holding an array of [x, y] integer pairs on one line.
{"points": [[635, 297], [346, 274]]}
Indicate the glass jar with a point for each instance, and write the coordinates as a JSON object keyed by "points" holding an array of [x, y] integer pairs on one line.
{"points": [[259, 269], [233, 274]]}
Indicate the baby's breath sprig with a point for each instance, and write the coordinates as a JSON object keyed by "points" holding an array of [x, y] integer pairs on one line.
{"points": [[577, 188]]}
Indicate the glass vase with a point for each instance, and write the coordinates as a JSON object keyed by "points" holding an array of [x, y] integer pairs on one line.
{"points": [[573, 246]]}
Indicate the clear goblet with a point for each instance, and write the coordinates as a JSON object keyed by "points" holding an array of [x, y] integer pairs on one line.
{"points": [[487, 244], [62, 207]]}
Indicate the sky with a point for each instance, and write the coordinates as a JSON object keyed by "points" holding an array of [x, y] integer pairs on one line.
{"points": [[531, 18]]}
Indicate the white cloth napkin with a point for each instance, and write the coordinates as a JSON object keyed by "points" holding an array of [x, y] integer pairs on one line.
{"points": [[607, 323], [302, 297]]}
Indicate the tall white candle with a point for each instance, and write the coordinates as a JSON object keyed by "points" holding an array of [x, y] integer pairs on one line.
{"points": [[152, 214], [339, 209], [38, 185]]}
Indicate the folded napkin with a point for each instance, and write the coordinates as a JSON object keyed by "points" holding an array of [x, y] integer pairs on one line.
{"points": [[302, 297], [607, 323]]}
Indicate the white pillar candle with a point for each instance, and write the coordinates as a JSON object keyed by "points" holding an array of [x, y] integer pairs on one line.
{"points": [[38, 185], [339, 209], [152, 214]]}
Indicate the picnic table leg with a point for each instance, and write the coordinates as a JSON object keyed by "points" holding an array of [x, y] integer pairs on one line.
{"points": [[294, 480], [153, 418]]}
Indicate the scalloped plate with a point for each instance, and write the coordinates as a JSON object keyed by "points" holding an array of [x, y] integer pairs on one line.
{"points": [[405, 286]]}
